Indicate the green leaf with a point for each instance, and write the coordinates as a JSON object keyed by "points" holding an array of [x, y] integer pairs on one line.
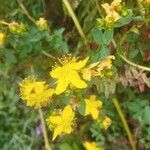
{"points": [[104, 52], [146, 115], [108, 36], [65, 146], [81, 107], [133, 53], [10, 57], [97, 35], [125, 20]]}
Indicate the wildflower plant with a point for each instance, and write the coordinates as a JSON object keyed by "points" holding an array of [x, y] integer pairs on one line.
{"points": [[80, 82]]}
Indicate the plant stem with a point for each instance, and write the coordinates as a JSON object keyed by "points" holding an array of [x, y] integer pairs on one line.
{"points": [[48, 55], [4, 23], [127, 60], [47, 146], [133, 64], [26, 12], [74, 18], [126, 127], [97, 5], [44, 6]]}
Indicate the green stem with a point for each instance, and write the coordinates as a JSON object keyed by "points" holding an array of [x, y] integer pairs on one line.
{"points": [[74, 18], [44, 6], [127, 60], [4, 23], [26, 12], [133, 64], [98, 9], [47, 146], [126, 127], [48, 55]]}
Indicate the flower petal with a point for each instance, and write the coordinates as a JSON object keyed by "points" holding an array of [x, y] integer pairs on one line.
{"points": [[115, 3], [94, 113], [68, 114], [79, 65], [67, 129], [57, 131], [62, 85], [107, 8], [57, 72], [74, 78], [55, 120]]}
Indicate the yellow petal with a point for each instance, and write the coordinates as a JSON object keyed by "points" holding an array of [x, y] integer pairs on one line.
{"points": [[57, 131], [107, 8], [79, 65], [57, 72], [87, 110], [94, 113], [68, 114], [98, 104], [67, 129], [62, 85], [74, 78], [55, 120], [115, 3], [92, 97]]}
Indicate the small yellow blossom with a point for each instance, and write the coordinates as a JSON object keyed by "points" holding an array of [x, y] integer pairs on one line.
{"points": [[93, 106], [91, 146], [87, 74], [111, 8], [2, 38], [68, 73], [105, 64], [42, 23], [106, 122], [35, 93], [16, 27], [112, 14], [146, 3], [62, 123], [97, 68]]}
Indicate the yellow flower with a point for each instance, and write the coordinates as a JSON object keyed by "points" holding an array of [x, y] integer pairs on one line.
{"points": [[63, 122], [35, 93], [2, 38], [87, 74], [93, 106], [105, 64], [146, 3], [111, 19], [112, 7], [15, 27], [106, 122], [111, 12], [42, 23], [97, 68], [91, 146], [68, 73]]}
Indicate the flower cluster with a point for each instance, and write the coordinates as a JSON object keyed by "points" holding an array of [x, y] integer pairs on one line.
{"points": [[35, 93], [16, 27], [114, 12], [70, 73], [100, 68]]}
